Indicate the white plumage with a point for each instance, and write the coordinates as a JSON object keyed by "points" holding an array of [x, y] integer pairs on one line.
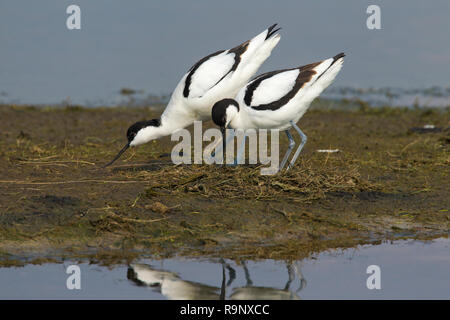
{"points": [[171, 285], [273, 88], [217, 76], [278, 99], [210, 73]]}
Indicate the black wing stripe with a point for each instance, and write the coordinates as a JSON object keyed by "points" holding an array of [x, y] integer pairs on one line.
{"points": [[305, 75], [255, 84], [192, 70], [238, 52]]}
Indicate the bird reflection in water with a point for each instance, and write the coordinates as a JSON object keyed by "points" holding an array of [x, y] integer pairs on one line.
{"points": [[252, 292], [173, 287]]}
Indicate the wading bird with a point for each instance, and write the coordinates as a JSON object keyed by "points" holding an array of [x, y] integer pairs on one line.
{"points": [[277, 100], [217, 76], [172, 286]]}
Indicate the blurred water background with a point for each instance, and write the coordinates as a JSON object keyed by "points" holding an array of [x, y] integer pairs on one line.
{"points": [[147, 46]]}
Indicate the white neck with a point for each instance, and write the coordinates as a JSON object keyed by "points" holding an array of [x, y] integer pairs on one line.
{"points": [[151, 133], [239, 121], [173, 118]]}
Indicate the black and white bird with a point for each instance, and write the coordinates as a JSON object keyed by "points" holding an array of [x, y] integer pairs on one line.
{"points": [[217, 76], [252, 292], [171, 285], [277, 100]]}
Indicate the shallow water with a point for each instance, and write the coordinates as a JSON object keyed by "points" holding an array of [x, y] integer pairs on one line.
{"points": [[380, 97], [409, 270], [154, 45]]}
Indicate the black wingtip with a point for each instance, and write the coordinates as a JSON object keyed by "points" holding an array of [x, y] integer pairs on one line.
{"points": [[272, 26], [338, 56], [271, 31]]}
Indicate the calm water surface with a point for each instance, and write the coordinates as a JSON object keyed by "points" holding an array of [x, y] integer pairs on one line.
{"points": [[409, 270], [149, 45]]}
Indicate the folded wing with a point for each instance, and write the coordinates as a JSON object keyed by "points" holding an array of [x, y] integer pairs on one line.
{"points": [[212, 69], [273, 90]]}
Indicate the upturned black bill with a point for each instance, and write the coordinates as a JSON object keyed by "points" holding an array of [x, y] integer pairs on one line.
{"points": [[118, 155]]}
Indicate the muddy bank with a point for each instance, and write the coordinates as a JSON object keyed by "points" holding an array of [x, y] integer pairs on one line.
{"points": [[388, 181]]}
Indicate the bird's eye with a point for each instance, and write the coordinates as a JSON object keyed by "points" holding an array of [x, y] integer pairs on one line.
{"points": [[131, 135]]}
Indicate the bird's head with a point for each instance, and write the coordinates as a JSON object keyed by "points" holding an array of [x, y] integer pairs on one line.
{"points": [[139, 133], [223, 112]]}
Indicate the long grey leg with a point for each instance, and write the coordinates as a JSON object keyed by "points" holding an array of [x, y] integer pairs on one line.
{"points": [[223, 292], [241, 152], [247, 274], [300, 147], [231, 271], [227, 141], [300, 276], [289, 150], [291, 275]]}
